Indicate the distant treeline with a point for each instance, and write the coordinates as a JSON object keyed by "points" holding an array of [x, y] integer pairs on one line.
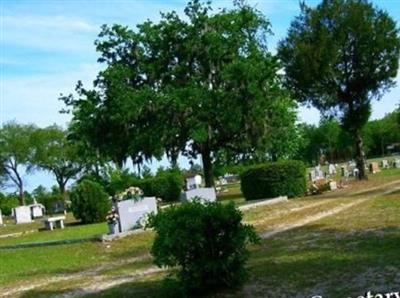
{"points": [[329, 139]]}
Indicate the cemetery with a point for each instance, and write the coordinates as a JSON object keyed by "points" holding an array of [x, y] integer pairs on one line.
{"points": [[193, 154]]}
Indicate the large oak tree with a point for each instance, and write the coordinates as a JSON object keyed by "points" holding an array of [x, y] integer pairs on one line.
{"points": [[194, 85], [339, 56]]}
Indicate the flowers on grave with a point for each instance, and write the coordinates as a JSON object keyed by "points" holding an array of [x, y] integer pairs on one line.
{"points": [[131, 193], [112, 216]]}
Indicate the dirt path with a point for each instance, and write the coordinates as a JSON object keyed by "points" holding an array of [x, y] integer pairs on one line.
{"points": [[12, 292], [101, 282], [310, 219]]}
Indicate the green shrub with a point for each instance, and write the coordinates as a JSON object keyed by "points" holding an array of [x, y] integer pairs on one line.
{"points": [[207, 242], [90, 202], [284, 178], [166, 185], [7, 203]]}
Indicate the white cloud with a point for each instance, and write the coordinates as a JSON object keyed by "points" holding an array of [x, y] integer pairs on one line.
{"points": [[51, 33], [34, 98], [28, 22]]}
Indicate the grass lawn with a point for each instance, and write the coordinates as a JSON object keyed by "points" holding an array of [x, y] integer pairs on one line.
{"points": [[341, 255]]}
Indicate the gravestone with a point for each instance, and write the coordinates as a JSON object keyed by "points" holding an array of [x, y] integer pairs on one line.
{"points": [[385, 164], [356, 173], [331, 169], [1, 218], [193, 182], [206, 194], [345, 172], [22, 214], [133, 213], [333, 185], [396, 163], [37, 210], [374, 167]]}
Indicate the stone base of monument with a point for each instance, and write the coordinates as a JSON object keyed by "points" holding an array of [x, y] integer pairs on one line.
{"points": [[108, 238], [205, 194]]}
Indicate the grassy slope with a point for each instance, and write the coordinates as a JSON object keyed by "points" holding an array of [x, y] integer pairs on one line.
{"points": [[308, 260]]}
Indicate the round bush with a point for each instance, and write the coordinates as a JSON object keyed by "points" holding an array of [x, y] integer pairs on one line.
{"points": [[207, 242], [90, 202], [284, 178], [166, 185], [7, 203]]}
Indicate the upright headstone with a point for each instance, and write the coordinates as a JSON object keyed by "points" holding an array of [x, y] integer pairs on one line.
{"points": [[1, 218], [319, 173], [385, 164], [133, 213], [331, 169], [333, 185], [37, 210], [193, 182], [22, 214], [356, 173], [206, 194], [374, 167], [396, 163]]}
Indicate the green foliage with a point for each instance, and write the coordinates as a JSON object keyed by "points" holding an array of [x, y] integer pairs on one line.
{"points": [[17, 147], [7, 203], [378, 134], [57, 155], [205, 80], [47, 198], [327, 138], [207, 242], [339, 56], [283, 178], [166, 185], [90, 202]]}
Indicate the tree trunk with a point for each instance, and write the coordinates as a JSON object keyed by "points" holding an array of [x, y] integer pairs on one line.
{"points": [[360, 156], [21, 194], [62, 191], [207, 168], [173, 156], [61, 181]]}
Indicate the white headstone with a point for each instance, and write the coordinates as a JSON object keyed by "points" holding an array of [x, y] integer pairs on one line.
{"points": [[333, 185], [132, 213], [206, 194], [193, 182], [396, 163], [385, 164], [331, 169], [356, 172], [22, 214], [1, 218], [36, 210]]}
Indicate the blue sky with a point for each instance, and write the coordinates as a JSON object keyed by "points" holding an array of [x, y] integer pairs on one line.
{"points": [[47, 46]]}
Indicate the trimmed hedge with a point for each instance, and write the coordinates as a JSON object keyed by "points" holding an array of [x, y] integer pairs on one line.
{"points": [[208, 244], [283, 178], [166, 185]]}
